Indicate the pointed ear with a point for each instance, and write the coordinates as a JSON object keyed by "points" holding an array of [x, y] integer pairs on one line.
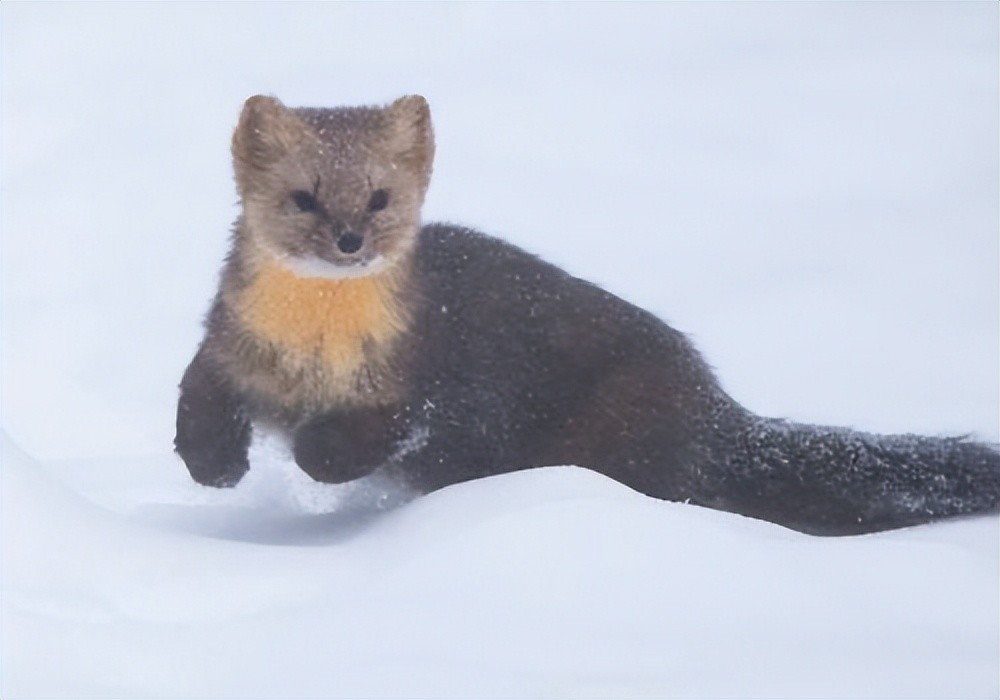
{"points": [[412, 133], [267, 130]]}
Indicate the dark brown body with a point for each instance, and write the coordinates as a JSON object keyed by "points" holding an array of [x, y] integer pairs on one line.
{"points": [[511, 363], [469, 357]]}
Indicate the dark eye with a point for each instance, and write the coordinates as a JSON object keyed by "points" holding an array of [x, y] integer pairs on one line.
{"points": [[304, 201], [379, 200]]}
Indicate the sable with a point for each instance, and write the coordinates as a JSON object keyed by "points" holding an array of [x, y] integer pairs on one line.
{"points": [[438, 354]]}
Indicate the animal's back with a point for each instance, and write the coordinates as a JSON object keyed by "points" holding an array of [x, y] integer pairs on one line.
{"points": [[539, 368]]}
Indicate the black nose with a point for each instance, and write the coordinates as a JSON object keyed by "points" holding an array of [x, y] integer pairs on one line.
{"points": [[349, 242]]}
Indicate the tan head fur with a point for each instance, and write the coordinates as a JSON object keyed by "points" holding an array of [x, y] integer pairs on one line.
{"points": [[332, 192]]}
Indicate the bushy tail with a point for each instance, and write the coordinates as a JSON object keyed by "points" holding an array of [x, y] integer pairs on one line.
{"points": [[832, 481]]}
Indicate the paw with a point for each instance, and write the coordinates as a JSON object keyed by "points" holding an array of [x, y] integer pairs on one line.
{"points": [[337, 450], [213, 445], [220, 468]]}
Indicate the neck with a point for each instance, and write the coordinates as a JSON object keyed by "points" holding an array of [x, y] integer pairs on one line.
{"points": [[341, 321]]}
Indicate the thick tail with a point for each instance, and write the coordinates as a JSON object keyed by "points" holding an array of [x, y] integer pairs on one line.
{"points": [[832, 481]]}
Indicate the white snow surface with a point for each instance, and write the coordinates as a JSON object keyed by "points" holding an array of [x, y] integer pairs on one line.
{"points": [[809, 190]]}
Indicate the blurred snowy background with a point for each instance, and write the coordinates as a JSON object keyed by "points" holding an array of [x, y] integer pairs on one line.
{"points": [[809, 190]]}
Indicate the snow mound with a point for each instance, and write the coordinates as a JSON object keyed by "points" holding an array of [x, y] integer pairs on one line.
{"points": [[546, 582]]}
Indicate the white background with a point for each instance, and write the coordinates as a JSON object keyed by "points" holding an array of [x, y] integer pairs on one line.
{"points": [[809, 190]]}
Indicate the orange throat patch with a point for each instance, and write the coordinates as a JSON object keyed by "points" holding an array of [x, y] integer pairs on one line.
{"points": [[339, 323]]}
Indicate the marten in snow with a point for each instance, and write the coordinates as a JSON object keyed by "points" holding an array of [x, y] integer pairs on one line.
{"points": [[437, 354]]}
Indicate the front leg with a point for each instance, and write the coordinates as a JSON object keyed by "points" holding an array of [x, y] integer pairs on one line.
{"points": [[347, 444], [213, 429]]}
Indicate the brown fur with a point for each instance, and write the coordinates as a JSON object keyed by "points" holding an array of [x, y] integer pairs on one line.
{"points": [[340, 157]]}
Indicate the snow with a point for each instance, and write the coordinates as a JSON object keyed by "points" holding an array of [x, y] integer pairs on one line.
{"points": [[810, 190], [547, 582]]}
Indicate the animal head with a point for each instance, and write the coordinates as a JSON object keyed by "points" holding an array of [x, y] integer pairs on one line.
{"points": [[333, 192]]}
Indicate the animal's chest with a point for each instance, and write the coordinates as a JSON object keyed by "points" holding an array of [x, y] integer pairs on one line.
{"points": [[316, 343]]}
